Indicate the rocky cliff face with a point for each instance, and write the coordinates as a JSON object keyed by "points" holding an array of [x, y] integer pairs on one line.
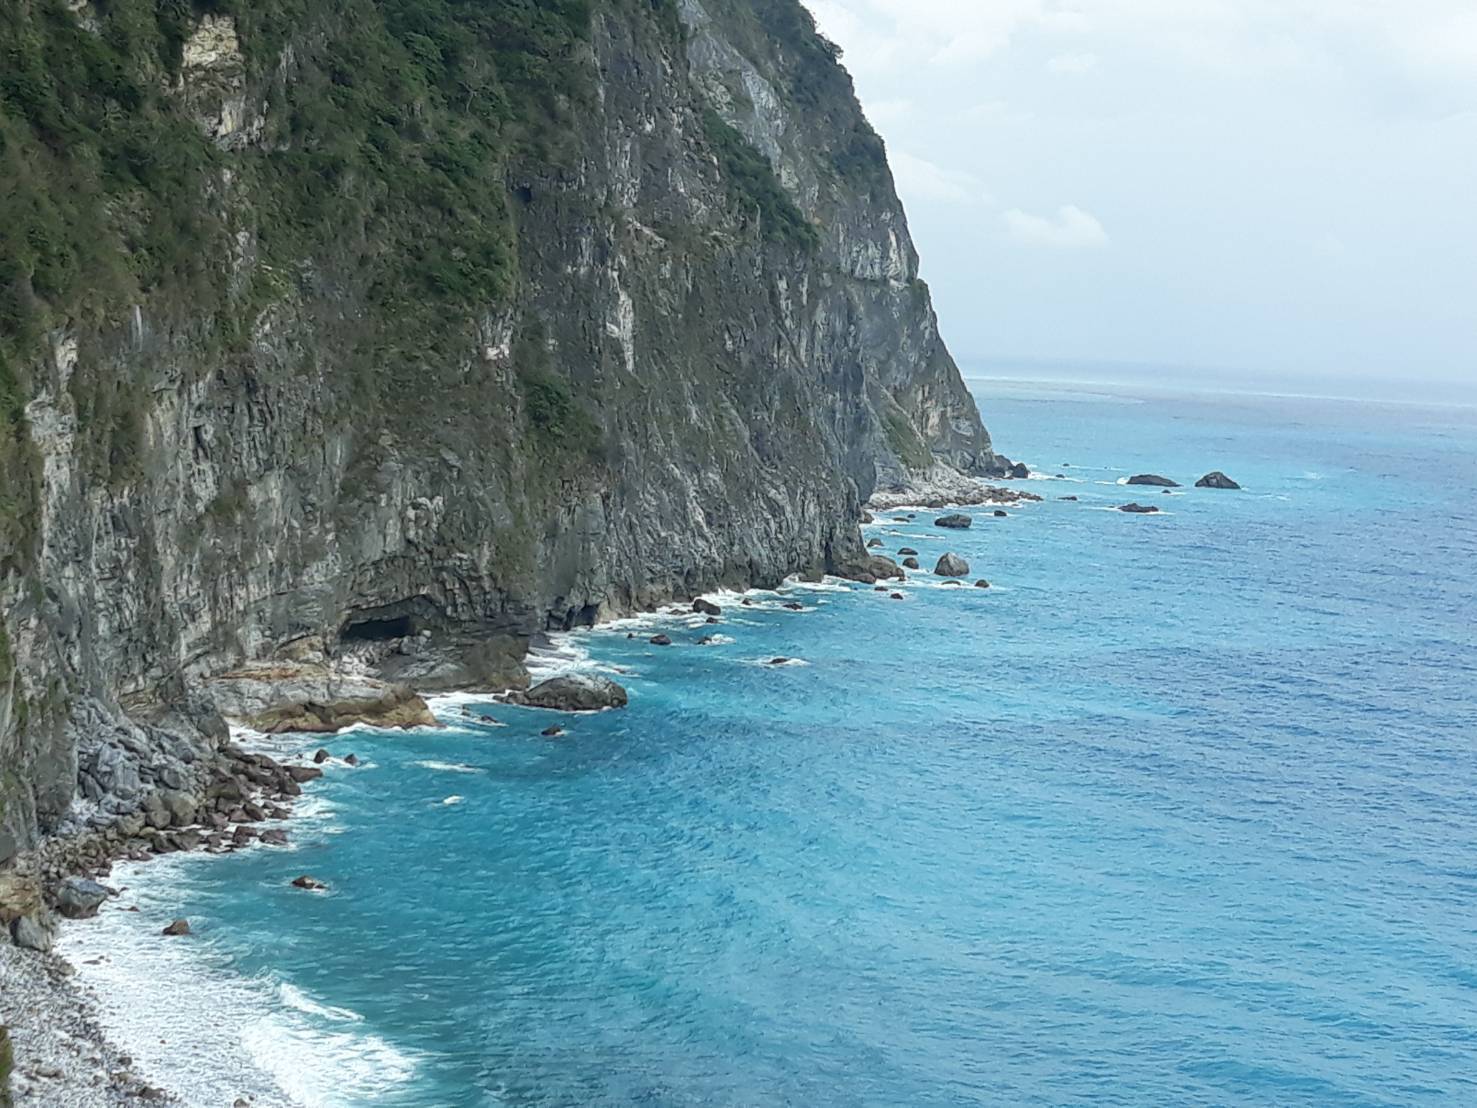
{"points": [[409, 330]]}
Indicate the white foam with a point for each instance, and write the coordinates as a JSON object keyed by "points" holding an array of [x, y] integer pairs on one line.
{"points": [[452, 801], [218, 1035], [294, 997], [448, 767], [770, 663], [720, 640]]}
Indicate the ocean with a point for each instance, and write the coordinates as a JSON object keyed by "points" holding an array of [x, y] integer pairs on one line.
{"points": [[1181, 810]]}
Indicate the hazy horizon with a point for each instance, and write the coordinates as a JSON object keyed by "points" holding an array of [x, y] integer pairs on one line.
{"points": [[1279, 190]]}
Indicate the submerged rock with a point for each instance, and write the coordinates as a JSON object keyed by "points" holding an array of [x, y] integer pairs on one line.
{"points": [[794, 606], [1215, 479], [1138, 509], [951, 565], [660, 640], [1069, 498], [552, 732], [955, 522], [310, 883], [178, 927], [982, 584], [1153, 479], [576, 692]]}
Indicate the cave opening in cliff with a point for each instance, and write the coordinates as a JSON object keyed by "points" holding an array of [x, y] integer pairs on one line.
{"points": [[378, 630]]}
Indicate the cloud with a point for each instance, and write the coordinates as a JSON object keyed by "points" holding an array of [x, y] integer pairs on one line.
{"points": [[1072, 65], [920, 179], [1071, 229]]}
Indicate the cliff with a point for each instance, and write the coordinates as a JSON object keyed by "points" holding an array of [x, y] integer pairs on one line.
{"points": [[410, 328]]}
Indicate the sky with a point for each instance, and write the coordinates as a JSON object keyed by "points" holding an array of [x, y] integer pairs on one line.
{"points": [[1285, 189]]}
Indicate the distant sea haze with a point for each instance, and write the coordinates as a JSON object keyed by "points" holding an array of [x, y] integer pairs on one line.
{"points": [[1410, 387], [1179, 810]]}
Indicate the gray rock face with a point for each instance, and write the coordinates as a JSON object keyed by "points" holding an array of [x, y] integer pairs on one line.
{"points": [[956, 522], [79, 898], [1153, 479], [573, 692], [293, 484], [951, 565], [1216, 480], [32, 933]]}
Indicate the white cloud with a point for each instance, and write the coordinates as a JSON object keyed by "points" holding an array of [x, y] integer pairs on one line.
{"points": [[1072, 65], [1071, 229], [919, 179]]}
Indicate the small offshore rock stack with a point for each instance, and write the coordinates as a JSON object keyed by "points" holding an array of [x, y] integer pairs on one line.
{"points": [[951, 565], [1138, 509], [1153, 479], [576, 692], [957, 521], [1215, 479]]}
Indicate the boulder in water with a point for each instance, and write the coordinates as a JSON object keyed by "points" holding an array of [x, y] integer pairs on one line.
{"points": [[1153, 479], [80, 898], [951, 565], [873, 543], [982, 584], [312, 884], [956, 521], [1216, 480], [660, 640], [910, 563], [706, 607], [1000, 513], [1019, 472], [178, 927], [576, 692], [1138, 509], [907, 551]]}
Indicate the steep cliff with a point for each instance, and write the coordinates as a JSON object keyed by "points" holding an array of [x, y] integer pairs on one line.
{"points": [[417, 327]]}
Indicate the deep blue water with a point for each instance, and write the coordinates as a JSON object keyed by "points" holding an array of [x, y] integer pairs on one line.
{"points": [[1182, 811]]}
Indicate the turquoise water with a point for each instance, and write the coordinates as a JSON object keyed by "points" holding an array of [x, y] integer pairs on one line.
{"points": [[1183, 810]]}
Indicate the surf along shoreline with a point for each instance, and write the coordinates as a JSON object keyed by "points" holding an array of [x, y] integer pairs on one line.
{"points": [[68, 1050]]}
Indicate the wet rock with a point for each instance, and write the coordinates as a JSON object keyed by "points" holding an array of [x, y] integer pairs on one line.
{"points": [[660, 640], [274, 837], [312, 884], [777, 661], [907, 551], [910, 563], [178, 927], [1138, 509], [243, 835], [706, 607], [1000, 513], [80, 898], [1073, 498], [898, 596], [872, 543], [982, 584], [320, 757], [353, 759], [303, 774], [186, 840], [957, 521], [1019, 472], [794, 606], [398, 707], [951, 565], [576, 692], [1153, 479], [867, 517], [552, 732], [1215, 479], [34, 932], [251, 812]]}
